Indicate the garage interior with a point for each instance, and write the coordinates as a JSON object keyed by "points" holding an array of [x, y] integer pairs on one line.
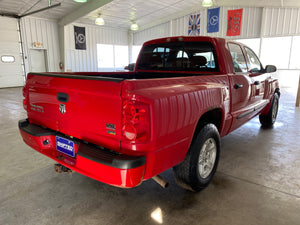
{"points": [[258, 177]]}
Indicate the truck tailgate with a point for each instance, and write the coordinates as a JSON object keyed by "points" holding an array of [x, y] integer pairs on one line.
{"points": [[79, 106]]}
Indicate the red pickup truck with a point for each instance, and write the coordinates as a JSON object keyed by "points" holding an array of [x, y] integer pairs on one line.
{"points": [[126, 127]]}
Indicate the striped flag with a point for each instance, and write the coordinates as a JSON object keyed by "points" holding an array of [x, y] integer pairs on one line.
{"points": [[194, 25]]}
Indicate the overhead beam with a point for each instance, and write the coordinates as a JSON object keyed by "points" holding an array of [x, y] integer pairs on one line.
{"points": [[83, 10], [40, 10]]}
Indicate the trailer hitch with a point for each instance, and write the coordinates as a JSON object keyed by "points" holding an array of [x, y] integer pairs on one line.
{"points": [[62, 169]]}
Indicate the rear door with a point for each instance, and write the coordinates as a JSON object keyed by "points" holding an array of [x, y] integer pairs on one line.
{"points": [[241, 87], [259, 78]]}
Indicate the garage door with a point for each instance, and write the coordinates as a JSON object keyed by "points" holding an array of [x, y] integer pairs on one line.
{"points": [[11, 72]]}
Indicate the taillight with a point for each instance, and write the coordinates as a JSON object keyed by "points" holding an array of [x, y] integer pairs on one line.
{"points": [[135, 121], [25, 103]]}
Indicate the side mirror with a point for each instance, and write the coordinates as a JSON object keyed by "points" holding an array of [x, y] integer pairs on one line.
{"points": [[270, 69]]}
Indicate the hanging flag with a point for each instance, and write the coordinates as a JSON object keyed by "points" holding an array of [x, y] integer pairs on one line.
{"points": [[213, 16], [80, 40], [234, 22], [194, 25]]}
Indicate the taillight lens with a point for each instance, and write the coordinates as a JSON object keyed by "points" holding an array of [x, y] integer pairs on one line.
{"points": [[24, 92], [135, 121]]}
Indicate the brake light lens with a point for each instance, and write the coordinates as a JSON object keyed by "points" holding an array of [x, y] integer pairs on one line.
{"points": [[135, 121], [24, 92]]}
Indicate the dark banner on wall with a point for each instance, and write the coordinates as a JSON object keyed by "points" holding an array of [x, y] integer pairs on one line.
{"points": [[80, 40], [213, 20], [234, 22]]}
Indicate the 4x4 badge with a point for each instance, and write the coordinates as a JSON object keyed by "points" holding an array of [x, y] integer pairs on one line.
{"points": [[62, 108]]}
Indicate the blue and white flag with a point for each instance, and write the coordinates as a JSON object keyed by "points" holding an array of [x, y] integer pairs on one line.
{"points": [[194, 25], [213, 16]]}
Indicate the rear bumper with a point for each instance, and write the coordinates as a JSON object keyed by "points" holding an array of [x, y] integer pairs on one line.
{"points": [[93, 161]]}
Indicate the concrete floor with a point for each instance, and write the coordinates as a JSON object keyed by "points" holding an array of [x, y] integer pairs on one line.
{"points": [[257, 182]]}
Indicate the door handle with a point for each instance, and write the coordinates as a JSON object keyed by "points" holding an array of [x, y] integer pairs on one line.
{"points": [[238, 86], [256, 82]]}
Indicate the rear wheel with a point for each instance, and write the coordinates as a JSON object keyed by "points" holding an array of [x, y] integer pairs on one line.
{"points": [[269, 119], [200, 163]]}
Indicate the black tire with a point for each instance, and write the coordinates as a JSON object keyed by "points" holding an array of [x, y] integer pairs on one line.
{"points": [[190, 174], [269, 119]]}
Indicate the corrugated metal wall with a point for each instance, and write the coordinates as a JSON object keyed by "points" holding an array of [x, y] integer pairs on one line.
{"points": [[159, 31], [281, 22], [275, 21], [251, 26], [86, 60], [250, 23], [45, 32]]}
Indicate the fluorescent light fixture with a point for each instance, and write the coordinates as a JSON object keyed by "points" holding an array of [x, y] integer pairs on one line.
{"points": [[207, 3], [80, 1], [134, 26], [99, 21]]}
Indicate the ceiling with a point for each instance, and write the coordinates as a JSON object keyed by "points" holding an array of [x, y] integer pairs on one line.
{"points": [[120, 13]]}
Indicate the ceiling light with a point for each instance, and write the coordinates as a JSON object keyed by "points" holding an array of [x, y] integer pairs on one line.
{"points": [[207, 3], [80, 1], [134, 26], [99, 21]]}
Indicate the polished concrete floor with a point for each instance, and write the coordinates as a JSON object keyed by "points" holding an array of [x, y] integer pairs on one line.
{"points": [[257, 181]]}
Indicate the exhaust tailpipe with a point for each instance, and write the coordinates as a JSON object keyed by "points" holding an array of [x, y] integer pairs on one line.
{"points": [[161, 181]]}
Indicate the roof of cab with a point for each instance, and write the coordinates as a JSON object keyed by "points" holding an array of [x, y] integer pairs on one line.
{"points": [[184, 39]]}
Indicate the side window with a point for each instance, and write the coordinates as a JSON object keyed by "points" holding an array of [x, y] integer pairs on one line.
{"points": [[254, 64], [238, 59], [182, 54]]}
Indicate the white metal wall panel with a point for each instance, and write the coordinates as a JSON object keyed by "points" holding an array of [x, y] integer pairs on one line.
{"points": [[86, 60], [281, 22], [159, 31], [11, 73], [251, 26], [45, 32]]}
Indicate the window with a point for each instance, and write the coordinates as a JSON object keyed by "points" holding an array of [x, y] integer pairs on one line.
{"points": [[105, 56], [238, 59], [135, 52], [276, 51], [283, 52], [7, 58], [178, 56], [112, 57], [295, 53], [121, 56], [253, 43], [254, 63], [182, 54]]}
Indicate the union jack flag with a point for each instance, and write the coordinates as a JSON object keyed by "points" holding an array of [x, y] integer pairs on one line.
{"points": [[194, 25]]}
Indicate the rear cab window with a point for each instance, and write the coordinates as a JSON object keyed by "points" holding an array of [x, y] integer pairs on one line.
{"points": [[179, 56]]}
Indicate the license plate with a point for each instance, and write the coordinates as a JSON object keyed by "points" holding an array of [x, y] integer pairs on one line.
{"points": [[65, 146]]}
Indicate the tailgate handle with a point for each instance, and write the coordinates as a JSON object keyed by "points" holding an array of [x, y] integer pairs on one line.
{"points": [[62, 97]]}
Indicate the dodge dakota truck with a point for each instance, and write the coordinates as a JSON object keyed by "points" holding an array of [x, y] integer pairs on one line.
{"points": [[122, 128]]}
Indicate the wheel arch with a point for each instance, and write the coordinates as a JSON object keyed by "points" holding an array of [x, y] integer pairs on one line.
{"points": [[214, 116]]}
